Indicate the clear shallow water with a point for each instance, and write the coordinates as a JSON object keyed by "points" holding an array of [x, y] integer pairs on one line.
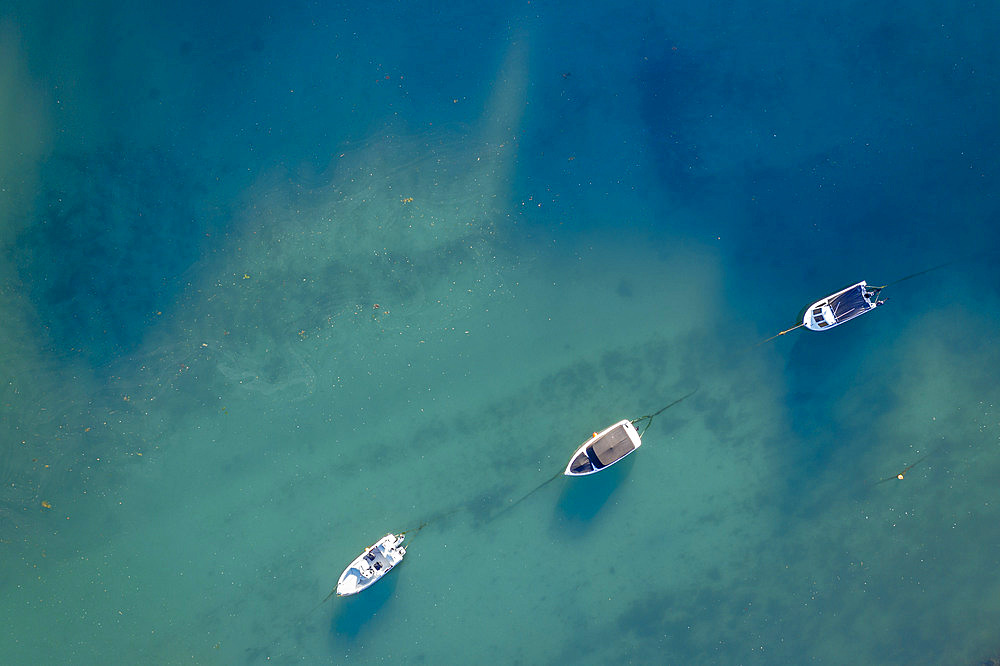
{"points": [[564, 218]]}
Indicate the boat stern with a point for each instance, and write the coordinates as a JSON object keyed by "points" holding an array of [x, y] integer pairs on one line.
{"points": [[372, 564], [843, 306], [604, 448]]}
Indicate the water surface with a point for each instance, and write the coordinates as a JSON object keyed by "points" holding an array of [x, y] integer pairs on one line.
{"points": [[277, 282]]}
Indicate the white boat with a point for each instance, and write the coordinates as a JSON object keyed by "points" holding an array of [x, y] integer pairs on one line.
{"points": [[843, 306], [371, 565], [604, 448]]}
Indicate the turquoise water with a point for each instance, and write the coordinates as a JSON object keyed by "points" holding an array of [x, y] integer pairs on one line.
{"points": [[275, 282]]}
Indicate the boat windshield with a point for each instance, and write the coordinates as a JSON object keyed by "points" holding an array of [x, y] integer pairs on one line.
{"points": [[850, 304], [581, 464], [610, 448]]}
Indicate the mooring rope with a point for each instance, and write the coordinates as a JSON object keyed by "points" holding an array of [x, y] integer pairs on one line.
{"points": [[874, 290], [650, 417], [903, 279], [787, 330]]}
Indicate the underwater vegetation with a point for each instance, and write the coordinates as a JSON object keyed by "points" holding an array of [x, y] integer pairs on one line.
{"points": [[112, 234]]}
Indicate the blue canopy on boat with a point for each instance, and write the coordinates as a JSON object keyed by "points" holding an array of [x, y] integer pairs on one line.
{"points": [[851, 303]]}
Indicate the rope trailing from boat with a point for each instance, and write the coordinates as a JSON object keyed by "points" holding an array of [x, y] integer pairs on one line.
{"points": [[413, 531], [908, 277], [649, 417], [874, 291], [788, 330], [901, 475], [526, 496]]}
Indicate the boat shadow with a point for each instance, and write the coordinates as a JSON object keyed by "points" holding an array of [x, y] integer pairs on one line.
{"points": [[356, 612], [582, 498]]}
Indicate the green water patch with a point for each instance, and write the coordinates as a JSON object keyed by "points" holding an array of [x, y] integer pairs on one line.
{"points": [[248, 514], [287, 340]]}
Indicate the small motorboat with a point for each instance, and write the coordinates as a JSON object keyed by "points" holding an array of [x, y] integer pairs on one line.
{"points": [[843, 306], [371, 565], [604, 448]]}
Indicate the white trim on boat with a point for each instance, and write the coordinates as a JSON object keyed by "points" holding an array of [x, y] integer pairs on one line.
{"points": [[605, 448], [841, 307], [368, 567]]}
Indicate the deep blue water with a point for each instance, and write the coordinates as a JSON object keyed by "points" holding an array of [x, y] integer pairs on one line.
{"points": [[276, 281]]}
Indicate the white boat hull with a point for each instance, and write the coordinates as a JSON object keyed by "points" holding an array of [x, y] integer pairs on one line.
{"points": [[841, 307], [371, 565], [604, 449]]}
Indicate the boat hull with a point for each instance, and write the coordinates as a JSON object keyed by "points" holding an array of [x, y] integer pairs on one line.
{"points": [[370, 566], [840, 307], [604, 449]]}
